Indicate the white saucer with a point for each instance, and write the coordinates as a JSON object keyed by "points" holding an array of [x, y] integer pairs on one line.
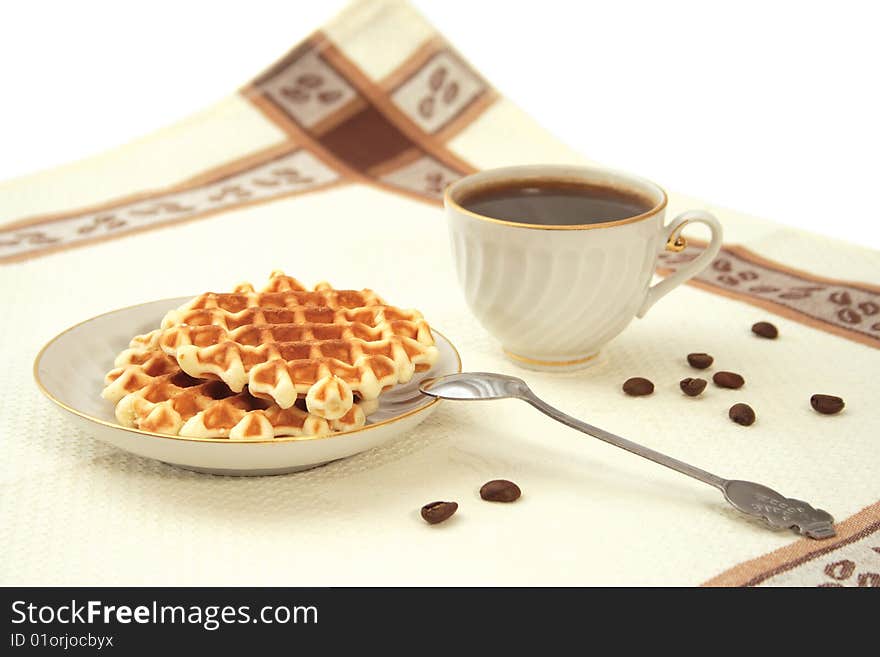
{"points": [[70, 370]]}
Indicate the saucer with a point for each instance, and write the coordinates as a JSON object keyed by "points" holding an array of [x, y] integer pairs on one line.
{"points": [[70, 371]]}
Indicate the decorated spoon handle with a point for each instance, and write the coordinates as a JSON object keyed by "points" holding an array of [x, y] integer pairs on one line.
{"points": [[778, 511]]}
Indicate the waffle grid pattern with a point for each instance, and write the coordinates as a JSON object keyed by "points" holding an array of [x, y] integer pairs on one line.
{"points": [[285, 343], [285, 361]]}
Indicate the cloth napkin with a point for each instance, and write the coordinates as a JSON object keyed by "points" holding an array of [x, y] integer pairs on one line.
{"points": [[330, 165]]}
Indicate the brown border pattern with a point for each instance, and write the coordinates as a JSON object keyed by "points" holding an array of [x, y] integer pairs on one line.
{"points": [[852, 558], [278, 174], [850, 310], [344, 127], [390, 133], [341, 127]]}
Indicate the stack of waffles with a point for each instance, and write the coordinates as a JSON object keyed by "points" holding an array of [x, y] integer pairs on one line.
{"points": [[255, 365]]}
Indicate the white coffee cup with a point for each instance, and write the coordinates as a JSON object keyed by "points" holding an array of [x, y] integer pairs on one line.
{"points": [[555, 294]]}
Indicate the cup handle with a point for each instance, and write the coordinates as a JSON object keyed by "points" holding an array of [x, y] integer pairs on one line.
{"points": [[673, 241]]}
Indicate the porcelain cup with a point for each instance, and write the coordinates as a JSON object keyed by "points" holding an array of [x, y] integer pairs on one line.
{"points": [[553, 295]]}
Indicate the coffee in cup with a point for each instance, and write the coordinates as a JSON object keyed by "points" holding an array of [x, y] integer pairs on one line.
{"points": [[555, 261]]}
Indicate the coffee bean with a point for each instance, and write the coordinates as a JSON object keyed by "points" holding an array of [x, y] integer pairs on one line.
{"points": [[827, 404], [692, 387], [728, 380], [637, 387], [700, 360], [765, 330], [438, 511], [742, 414], [500, 490]]}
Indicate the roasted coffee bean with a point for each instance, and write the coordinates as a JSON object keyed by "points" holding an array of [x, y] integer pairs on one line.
{"points": [[700, 360], [438, 511], [728, 380], [500, 490], [827, 404], [637, 387], [765, 330], [692, 387], [742, 414]]}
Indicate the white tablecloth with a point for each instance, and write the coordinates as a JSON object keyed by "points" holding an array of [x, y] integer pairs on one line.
{"points": [[329, 166]]}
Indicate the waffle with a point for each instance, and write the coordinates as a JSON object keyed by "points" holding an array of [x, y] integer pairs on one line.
{"points": [[152, 393], [286, 343]]}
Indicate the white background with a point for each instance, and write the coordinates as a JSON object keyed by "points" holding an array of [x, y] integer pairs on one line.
{"points": [[769, 107]]}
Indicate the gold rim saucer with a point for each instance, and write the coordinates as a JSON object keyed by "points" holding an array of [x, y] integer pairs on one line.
{"points": [[223, 441]]}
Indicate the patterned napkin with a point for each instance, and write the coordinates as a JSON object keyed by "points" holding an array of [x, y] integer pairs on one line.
{"points": [[330, 165]]}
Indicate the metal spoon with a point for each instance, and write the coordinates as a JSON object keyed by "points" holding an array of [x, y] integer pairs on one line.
{"points": [[778, 512]]}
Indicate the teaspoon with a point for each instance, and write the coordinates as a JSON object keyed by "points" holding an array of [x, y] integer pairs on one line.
{"points": [[778, 511]]}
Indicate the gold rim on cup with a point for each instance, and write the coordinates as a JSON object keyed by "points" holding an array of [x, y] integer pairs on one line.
{"points": [[449, 201]]}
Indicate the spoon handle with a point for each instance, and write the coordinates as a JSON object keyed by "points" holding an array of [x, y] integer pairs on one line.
{"points": [[623, 443]]}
